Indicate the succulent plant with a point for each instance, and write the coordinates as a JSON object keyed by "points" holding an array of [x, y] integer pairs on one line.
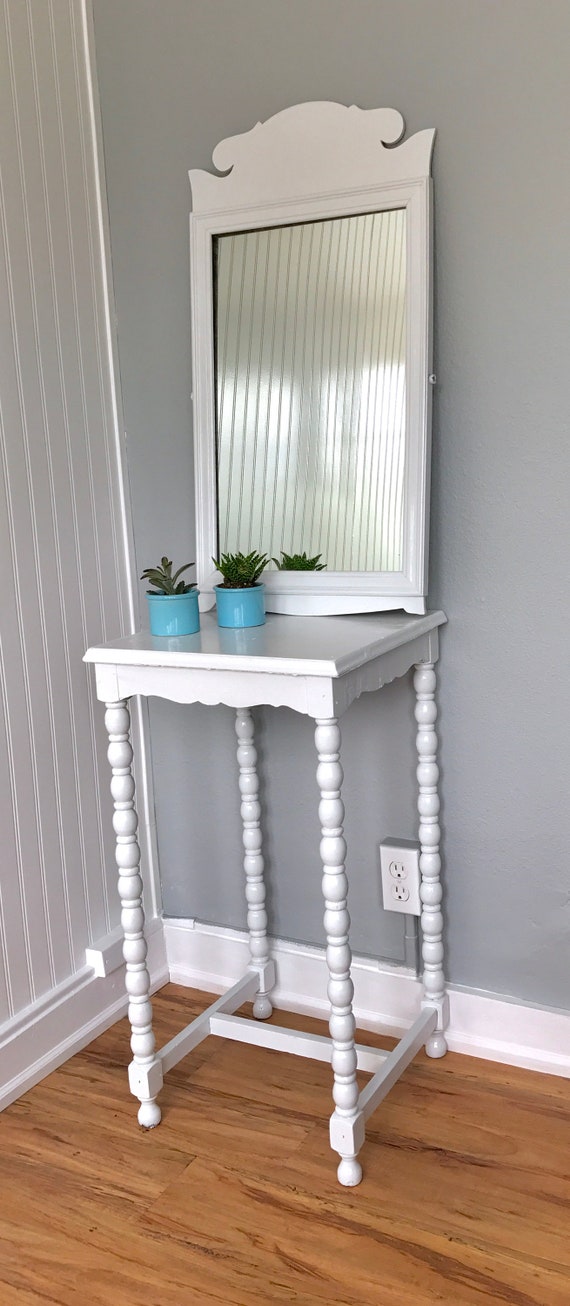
{"points": [[299, 562], [241, 570], [163, 580]]}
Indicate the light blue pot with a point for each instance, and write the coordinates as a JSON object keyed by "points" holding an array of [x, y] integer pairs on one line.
{"points": [[240, 608], [174, 614]]}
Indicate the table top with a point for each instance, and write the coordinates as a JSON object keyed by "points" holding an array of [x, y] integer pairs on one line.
{"points": [[302, 646]]}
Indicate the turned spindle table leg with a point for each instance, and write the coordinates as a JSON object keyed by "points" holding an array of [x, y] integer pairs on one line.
{"points": [[145, 1070], [347, 1123], [253, 861], [430, 861]]}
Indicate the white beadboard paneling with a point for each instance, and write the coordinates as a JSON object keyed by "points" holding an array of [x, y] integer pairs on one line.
{"points": [[21, 559], [64, 528]]}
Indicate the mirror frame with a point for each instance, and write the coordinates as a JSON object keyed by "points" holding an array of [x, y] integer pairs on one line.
{"points": [[319, 161]]}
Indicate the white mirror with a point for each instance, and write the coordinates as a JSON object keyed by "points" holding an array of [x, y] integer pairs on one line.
{"points": [[310, 283]]}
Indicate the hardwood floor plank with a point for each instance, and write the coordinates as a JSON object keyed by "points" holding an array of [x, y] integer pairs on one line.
{"points": [[233, 1199], [298, 1245]]}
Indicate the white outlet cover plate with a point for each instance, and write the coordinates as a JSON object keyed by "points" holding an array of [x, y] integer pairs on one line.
{"points": [[400, 871]]}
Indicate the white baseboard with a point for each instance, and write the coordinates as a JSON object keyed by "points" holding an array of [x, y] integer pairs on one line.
{"points": [[188, 952], [44, 1035], [386, 998]]}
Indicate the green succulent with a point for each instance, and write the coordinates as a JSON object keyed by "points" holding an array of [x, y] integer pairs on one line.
{"points": [[241, 570], [163, 580], [299, 562]]}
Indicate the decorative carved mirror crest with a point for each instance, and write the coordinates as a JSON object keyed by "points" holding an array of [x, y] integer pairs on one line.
{"points": [[311, 344]]}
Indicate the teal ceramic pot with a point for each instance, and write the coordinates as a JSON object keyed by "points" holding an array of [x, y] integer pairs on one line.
{"points": [[174, 614], [240, 608]]}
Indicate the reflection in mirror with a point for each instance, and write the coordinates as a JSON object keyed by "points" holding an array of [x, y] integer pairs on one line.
{"points": [[310, 334]]}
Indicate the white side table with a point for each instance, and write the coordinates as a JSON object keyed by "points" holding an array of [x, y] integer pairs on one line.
{"points": [[315, 665]]}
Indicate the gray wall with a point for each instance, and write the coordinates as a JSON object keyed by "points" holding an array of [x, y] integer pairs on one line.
{"points": [[175, 77]]}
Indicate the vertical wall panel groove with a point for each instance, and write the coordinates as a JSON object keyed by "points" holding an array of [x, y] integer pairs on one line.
{"points": [[65, 581]]}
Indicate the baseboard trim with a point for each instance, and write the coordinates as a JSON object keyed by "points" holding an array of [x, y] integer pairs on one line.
{"points": [[47, 1033], [386, 998], [212, 958]]}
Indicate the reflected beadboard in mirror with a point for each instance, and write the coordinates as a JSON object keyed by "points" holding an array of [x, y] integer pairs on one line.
{"points": [[310, 286], [310, 389]]}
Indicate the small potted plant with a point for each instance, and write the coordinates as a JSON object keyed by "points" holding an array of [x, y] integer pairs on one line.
{"points": [[299, 562], [240, 598], [173, 603]]}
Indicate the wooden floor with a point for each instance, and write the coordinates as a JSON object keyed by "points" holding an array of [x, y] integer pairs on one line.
{"points": [[234, 1199]]}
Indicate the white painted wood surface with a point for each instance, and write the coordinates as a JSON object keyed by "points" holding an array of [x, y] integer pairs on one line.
{"points": [[293, 152], [63, 525], [317, 161], [431, 892], [144, 1075], [286, 663], [345, 1134], [297, 655], [210, 957], [298, 646], [283, 1039], [253, 864], [386, 997], [194, 1033], [396, 1062]]}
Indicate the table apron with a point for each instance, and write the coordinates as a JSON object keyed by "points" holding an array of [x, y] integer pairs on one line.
{"points": [[314, 696]]}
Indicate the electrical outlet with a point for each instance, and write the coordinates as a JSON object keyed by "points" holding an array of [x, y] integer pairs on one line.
{"points": [[397, 870], [399, 892], [400, 870]]}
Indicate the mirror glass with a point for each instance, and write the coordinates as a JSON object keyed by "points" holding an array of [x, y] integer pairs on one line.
{"points": [[310, 381]]}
